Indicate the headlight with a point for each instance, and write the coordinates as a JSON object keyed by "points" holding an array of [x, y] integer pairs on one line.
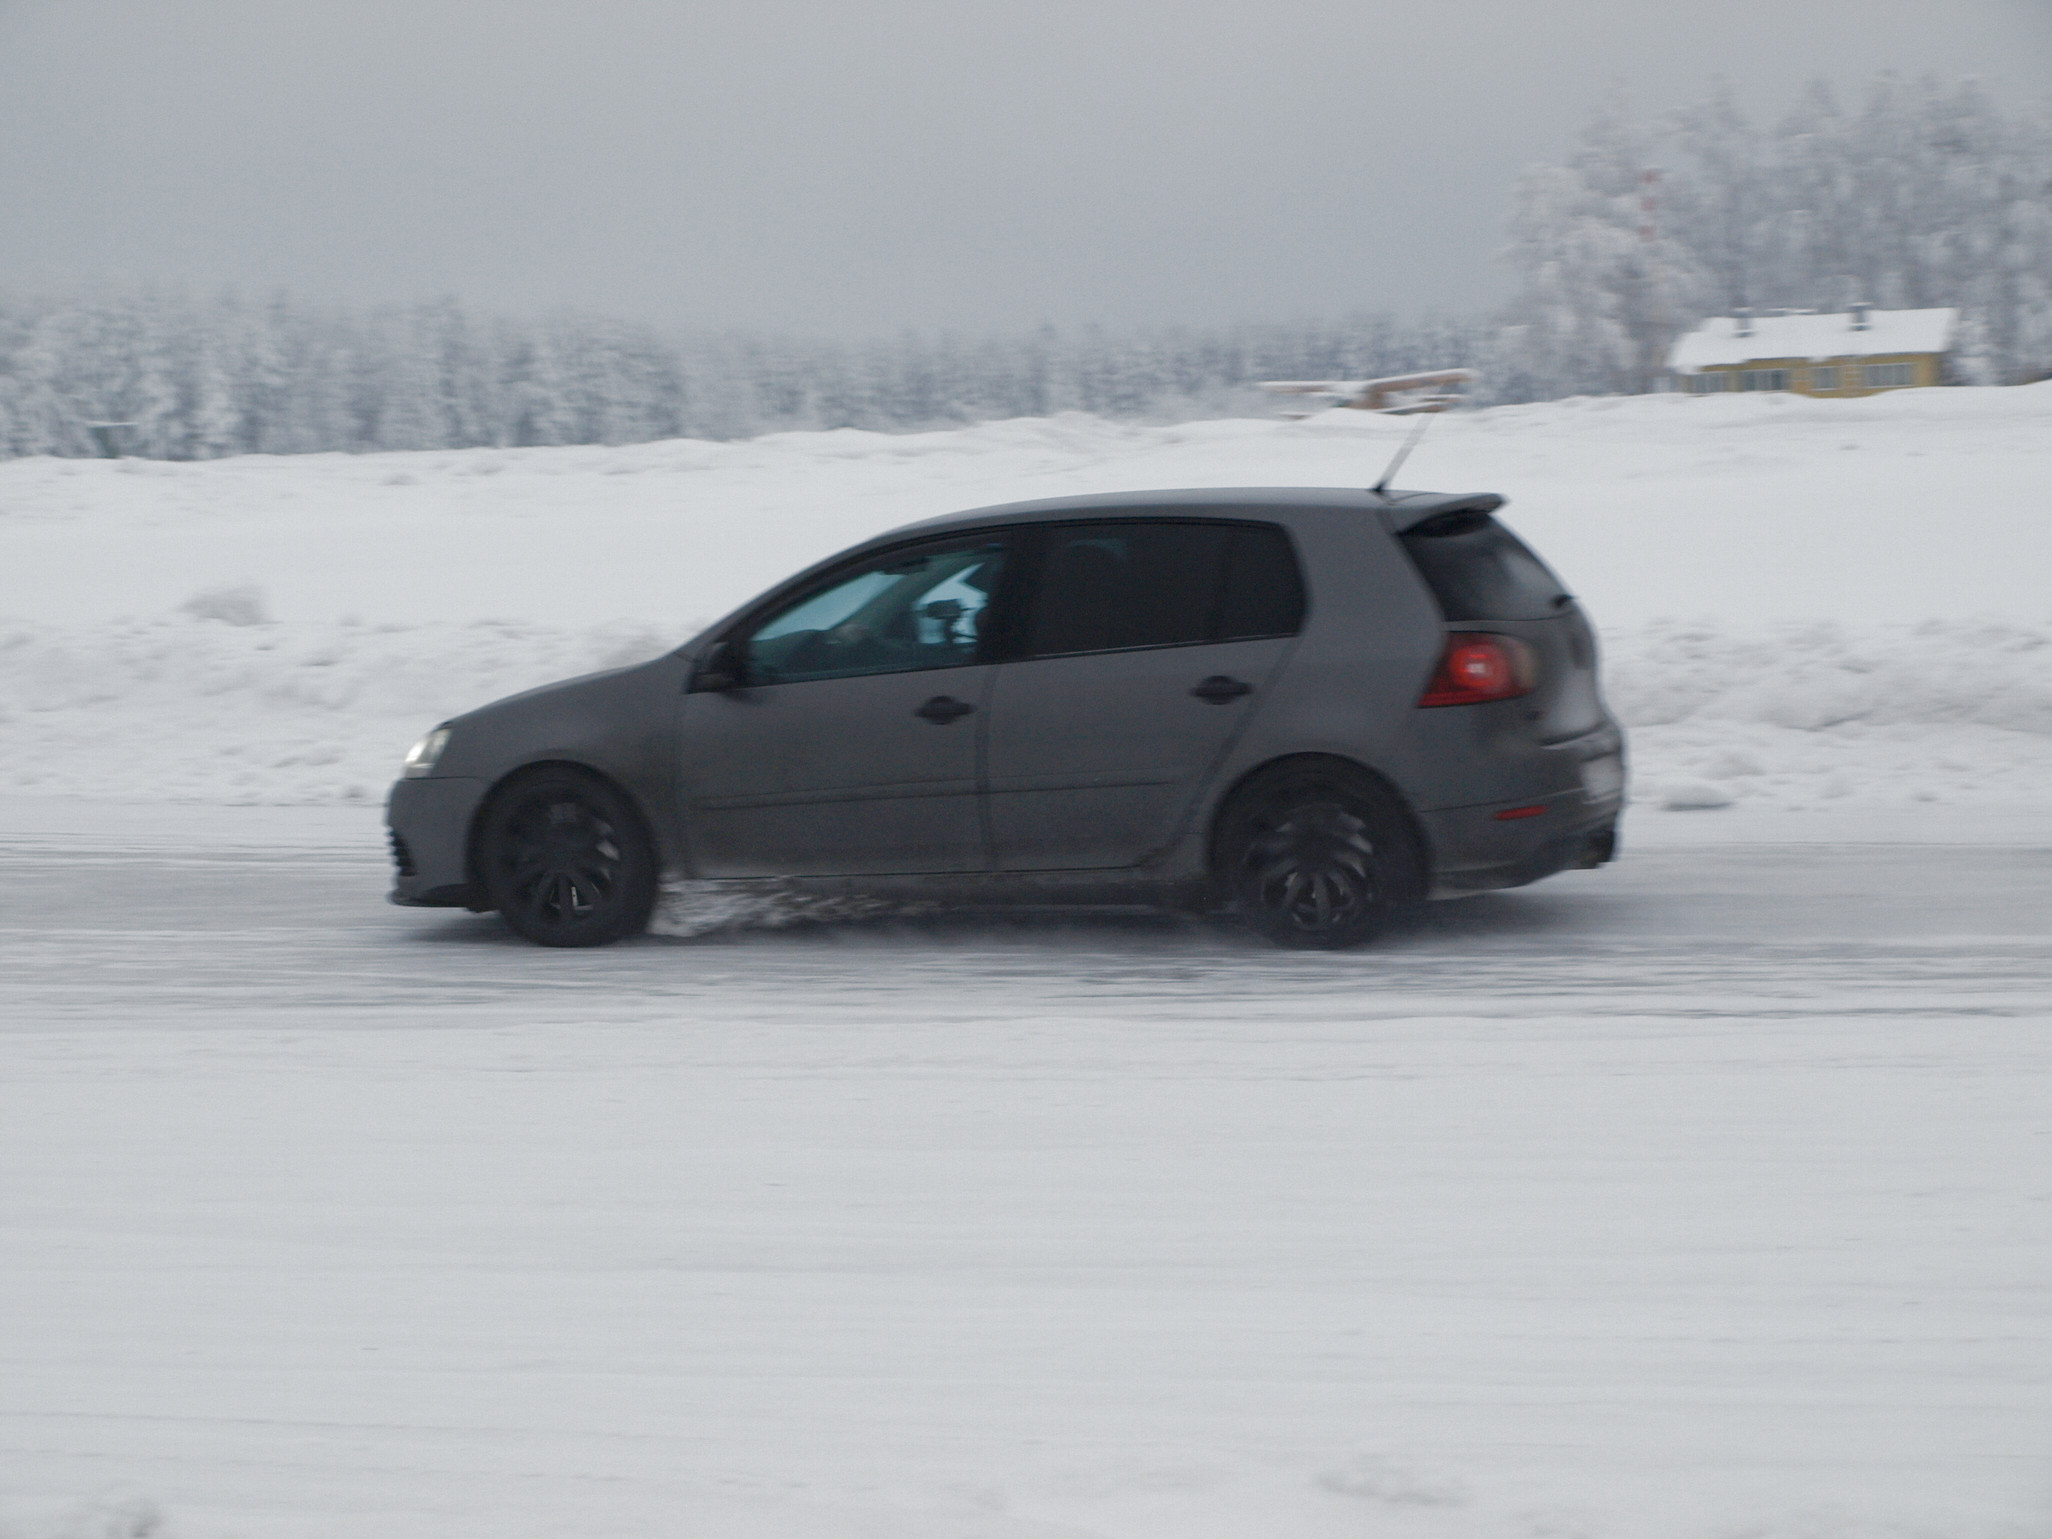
{"points": [[421, 757]]}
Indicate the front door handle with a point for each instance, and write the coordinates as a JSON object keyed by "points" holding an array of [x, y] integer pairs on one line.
{"points": [[1218, 690], [942, 709]]}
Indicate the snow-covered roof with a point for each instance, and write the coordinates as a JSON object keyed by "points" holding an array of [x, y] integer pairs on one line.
{"points": [[1717, 343]]}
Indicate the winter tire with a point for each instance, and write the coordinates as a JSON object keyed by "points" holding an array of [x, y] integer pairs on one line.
{"points": [[566, 861], [1317, 856]]}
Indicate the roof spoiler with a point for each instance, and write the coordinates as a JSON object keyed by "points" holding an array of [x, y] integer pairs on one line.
{"points": [[1410, 513]]}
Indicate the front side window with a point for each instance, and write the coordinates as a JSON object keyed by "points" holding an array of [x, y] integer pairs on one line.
{"points": [[1890, 376], [901, 611], [1116, 586], [1824, 377]]}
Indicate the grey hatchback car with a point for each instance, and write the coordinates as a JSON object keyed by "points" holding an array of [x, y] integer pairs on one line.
{"points": [[1307, 706]]}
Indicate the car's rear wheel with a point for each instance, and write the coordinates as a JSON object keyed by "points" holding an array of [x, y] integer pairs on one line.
{"points": [[1317, 856], [565, 860]]}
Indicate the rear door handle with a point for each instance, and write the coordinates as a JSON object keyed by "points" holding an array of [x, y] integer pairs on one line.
{"points": [[1219, 690], [942, 709]]}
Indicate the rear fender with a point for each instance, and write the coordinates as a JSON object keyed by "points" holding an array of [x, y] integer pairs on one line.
{"points": [[1344, 770]]}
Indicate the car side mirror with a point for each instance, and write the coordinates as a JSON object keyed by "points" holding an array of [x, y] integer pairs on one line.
{"points": [[718, 669]]}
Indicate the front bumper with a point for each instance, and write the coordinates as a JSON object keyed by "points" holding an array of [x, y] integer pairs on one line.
{"points": [[429, 822]]}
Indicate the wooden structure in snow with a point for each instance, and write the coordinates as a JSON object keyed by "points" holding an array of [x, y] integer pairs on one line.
{"points": [[1397, 395]]}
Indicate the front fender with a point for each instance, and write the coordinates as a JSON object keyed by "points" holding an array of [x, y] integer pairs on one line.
{"points": [[621, 725]]}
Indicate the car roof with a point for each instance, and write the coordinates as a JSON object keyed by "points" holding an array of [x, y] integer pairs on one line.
{"points": [[1399, 510]]}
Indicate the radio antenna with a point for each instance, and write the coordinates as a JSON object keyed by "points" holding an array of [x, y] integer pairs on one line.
{"points": [[1410, 443]]}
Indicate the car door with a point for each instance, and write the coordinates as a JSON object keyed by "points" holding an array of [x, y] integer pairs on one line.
{"points": [[1144, 650], [848, 742]]}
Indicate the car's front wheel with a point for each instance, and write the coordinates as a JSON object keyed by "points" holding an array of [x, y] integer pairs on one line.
{"points": [[565, 860], [1317, 856]]}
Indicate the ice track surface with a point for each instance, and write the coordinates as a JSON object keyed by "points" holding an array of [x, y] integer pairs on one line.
{"points": [[1708, 1194]]}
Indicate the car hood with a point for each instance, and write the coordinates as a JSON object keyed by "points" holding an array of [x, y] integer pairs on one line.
{"points": [[561, 691], [611, 720]]}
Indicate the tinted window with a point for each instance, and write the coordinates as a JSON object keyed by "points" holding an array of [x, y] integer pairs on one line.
{"points": [[901, 611], [1479, 570], [1262, 593], [1107, 587]]}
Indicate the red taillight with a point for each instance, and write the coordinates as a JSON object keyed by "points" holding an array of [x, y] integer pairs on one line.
{"points": [[1478, 667]]}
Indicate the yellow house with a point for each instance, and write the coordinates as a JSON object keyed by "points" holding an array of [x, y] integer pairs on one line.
{"points": [[1850, 353]]}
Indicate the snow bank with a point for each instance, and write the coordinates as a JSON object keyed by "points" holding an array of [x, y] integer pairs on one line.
{"points": [[279, 629], [200, 706], [192, 707], [1941, 712], [1817, 678]]}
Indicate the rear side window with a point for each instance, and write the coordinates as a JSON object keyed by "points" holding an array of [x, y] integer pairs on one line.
{"points": [[1114, 586], [1262, 593], [1479, 570]]}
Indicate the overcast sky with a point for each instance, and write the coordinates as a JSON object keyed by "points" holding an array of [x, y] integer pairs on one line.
{"points": [[854, 168]]}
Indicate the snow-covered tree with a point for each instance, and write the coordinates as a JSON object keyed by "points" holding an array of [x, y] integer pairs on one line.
{"points": [[1929, 195]]}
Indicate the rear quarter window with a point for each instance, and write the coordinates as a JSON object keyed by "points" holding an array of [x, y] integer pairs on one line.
{"points": [[1479, 570]]}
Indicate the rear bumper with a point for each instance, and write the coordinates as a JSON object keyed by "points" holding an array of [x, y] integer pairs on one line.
{"points": [[1473, 852], [1510, 843], [429, 822]]}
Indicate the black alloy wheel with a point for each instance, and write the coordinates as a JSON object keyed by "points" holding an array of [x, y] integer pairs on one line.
{"points": [[566, 862], [1317, 858]]}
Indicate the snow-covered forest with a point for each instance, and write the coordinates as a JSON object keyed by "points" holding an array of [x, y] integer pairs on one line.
{"points": [[1924, 194], [198, 379]]}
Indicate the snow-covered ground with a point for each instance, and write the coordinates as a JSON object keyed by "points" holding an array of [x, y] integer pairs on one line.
{"points": [[1743, 508], [1700, 1196]]}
